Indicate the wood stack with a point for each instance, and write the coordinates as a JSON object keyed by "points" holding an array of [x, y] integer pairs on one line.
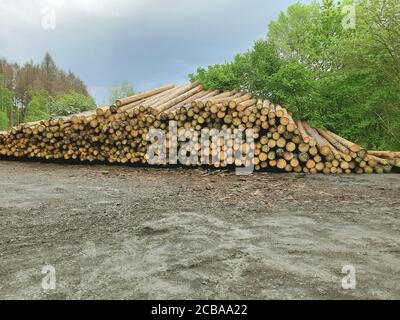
{"points": [[118, 134], [390, 157]]}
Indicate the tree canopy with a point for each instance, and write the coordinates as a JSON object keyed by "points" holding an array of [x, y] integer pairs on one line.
{"points": [[337, 75], [5, 104], [28, 91]]}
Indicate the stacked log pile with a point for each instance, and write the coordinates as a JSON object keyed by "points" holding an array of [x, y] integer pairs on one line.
{"points": [[119, 134]]}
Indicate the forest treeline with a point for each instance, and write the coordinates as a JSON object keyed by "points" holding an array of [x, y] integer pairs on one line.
{"points": [[38, 91], [334, 64]]}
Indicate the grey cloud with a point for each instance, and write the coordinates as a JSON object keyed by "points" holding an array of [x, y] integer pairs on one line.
{"points": [[156, 42]]}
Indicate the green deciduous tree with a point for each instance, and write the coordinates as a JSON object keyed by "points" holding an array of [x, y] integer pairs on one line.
{"points": [[38, 107], [347, 80], [25, 81], [3, 120], [70, 103], [5, 104]]}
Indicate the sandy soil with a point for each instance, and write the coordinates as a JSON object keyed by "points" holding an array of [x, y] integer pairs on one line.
{"points": [[137, 233]]}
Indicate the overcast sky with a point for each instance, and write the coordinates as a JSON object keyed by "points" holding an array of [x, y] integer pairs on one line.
{"points": [[146, 42]]}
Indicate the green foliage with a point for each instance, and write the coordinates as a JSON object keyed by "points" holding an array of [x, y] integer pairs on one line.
{"points": [[38, 106], [28, 91], [122, 90], [293, 86], [70, 103], [3, 120], [5, 104], [5, 98], [264, 62], [309, 33], [227, 76], [262, 72], [346, 80]]}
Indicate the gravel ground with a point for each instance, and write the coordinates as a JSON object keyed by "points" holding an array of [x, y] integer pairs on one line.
{"points": [[115, 232]]}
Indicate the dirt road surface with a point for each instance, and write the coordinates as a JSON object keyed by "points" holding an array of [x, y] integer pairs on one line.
{"points": [[137, 233]]}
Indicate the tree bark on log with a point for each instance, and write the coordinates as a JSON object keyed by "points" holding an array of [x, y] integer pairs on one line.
{"points": [[140, 96], [348, 144], [322, 144], [384, 154]]}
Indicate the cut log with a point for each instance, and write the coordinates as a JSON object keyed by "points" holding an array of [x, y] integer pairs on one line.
{"points": [[384, 154], [322, 144], [140, 96], [306, 138], [350, 145], [333, 141]]}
